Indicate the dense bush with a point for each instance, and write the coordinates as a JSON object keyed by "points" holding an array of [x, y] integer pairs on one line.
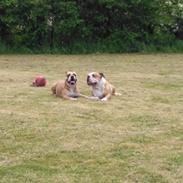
{"points": [[82, 26]]}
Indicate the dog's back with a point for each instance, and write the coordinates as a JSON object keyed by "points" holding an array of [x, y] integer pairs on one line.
{"points": [[53, 88], [57, 88]]}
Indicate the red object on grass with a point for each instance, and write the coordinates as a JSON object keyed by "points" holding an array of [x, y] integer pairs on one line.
{"points": [[39, 81]]}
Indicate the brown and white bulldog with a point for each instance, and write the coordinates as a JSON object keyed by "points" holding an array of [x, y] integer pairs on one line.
{"points": [[101, 88], [67, 89]]}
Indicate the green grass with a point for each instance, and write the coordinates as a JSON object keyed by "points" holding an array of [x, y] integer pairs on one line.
{"points": [[176, 159], [136, 137]]}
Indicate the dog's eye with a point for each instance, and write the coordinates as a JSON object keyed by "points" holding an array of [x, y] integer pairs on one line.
{"points": [[68, 75], [93, 75], [74, 75]]}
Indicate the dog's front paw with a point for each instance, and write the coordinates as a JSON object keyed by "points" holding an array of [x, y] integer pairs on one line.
{"points": [[104, 99], [93, 98]]}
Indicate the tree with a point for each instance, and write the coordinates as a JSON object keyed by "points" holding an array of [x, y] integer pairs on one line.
{"points": [[126, 24]]}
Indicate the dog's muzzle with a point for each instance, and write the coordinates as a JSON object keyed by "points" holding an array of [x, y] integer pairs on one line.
{"points": [[89, 82], [72, 81]]}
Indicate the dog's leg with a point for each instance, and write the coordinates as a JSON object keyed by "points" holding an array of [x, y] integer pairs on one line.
{"points": [[93, 98], [106, 97], [78, 94], [117, 94], [73, 98], [84, 96], [87, 97], [68, 98]]}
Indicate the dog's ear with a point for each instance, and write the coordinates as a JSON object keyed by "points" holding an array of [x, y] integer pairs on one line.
{"points": [[101, 74], [75, 73], [67, 73]]}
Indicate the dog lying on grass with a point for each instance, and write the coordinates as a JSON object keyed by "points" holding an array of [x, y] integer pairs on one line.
{"points": [[101, 88], [67, 89]]}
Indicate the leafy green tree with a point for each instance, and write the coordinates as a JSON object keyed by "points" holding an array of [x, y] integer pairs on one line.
{"points": [[125, 25]]}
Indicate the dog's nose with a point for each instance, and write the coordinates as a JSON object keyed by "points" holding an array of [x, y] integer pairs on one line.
{"points": [[72, 77]]}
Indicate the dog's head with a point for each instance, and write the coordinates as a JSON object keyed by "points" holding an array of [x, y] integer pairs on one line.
{"points": [[71, 77], [93, 78]]}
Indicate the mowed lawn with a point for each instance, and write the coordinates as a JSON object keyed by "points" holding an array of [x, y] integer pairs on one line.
{"points": [[135, 137]]}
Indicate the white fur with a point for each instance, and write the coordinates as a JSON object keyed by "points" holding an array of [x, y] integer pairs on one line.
{"points": [[98, 89], [72, 92], [104, 99]]}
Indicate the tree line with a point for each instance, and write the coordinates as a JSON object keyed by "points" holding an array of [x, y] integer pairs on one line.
{"points": [[90, 25]]}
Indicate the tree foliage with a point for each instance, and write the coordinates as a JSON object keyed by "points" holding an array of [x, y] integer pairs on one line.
{"points": [[123, 24]]}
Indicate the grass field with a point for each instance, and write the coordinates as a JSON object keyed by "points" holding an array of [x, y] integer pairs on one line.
{"points": [[136, 137]]}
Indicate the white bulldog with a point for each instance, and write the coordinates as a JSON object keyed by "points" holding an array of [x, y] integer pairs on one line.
{"points": [[101, 88]]}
